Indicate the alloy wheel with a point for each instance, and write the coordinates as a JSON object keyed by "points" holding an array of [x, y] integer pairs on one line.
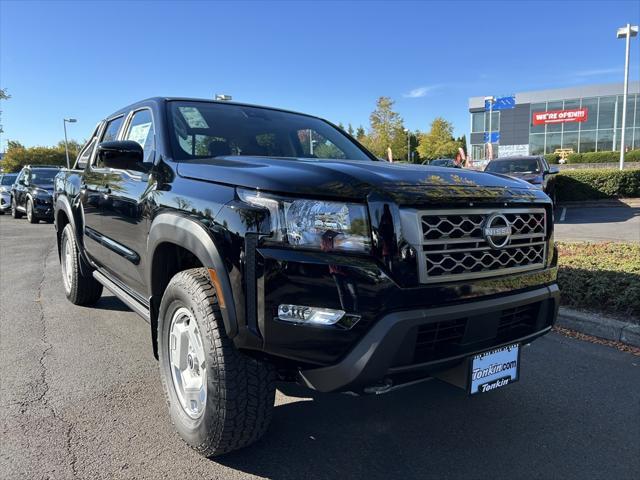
{"points": [[67, 264], [188, 366]]}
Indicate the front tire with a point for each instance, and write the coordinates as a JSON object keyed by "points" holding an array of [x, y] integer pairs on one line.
{"points": [[80, 288], [31, 215], [14, 209], [219, 399]]}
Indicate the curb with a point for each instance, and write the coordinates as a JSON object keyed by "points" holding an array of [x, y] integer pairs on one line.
{"points": [[599, 326], [608, 203]]}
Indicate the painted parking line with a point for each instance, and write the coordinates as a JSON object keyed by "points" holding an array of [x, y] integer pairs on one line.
{"points": [[563, 214]]}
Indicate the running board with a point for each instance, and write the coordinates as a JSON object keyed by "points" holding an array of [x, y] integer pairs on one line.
{"points": [[119, 292]]}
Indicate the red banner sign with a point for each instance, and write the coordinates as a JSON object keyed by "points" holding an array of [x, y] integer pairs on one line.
{"points": [[561, 116]]}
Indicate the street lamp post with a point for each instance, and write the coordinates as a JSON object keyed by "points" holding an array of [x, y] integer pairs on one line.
{"points": [[490, 100], [66, 144], [626, 32], [406, 130]]}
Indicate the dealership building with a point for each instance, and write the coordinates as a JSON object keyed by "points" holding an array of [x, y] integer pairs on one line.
{"points": [[577, 119]]}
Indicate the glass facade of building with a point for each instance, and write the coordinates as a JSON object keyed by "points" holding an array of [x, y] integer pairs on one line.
{"points": [[601, 131]]}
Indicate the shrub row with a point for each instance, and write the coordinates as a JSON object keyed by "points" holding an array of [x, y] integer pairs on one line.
{"points": [[594, 157], [603, 157], [595, 184], [602, 276]]}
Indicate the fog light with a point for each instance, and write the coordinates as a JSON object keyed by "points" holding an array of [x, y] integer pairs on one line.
{"points": [[309, 315]]}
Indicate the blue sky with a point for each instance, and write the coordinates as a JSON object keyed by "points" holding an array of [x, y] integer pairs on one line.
{"points": [[86, 59]]}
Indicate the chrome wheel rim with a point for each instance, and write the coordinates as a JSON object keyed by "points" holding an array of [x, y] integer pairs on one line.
{"points": [[187, 362], [29, 212], [67, 264]]}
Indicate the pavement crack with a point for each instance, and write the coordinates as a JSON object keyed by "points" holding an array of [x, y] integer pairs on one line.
{"points": [[42, 398]]}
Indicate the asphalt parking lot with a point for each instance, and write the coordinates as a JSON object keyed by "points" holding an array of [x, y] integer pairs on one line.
{"points": [[598, 224], [80, 397]]}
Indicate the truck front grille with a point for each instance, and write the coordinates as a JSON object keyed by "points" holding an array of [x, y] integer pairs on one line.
{"points": [[454, 247]]}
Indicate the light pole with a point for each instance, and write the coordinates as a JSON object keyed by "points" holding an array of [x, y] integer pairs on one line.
{"points": [[406, 130], [626, 32], [66, 144], [490, 99]]}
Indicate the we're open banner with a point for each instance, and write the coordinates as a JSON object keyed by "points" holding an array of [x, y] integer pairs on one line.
{"points": [[561, 116]]}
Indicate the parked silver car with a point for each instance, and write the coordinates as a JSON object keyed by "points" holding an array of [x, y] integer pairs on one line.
{"points": [[6, 180]]}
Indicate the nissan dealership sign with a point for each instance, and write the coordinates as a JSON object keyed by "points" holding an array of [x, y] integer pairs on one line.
{"points": [[560, 116]]}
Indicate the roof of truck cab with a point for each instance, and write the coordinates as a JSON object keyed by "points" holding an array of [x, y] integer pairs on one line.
{"points": [[162, 100]]}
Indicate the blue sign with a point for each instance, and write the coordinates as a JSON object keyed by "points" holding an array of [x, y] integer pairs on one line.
{"points": [[495, 137], [501, 103]]}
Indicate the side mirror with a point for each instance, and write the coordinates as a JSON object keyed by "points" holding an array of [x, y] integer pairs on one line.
{"points": [[123, 155], [553, 170]]}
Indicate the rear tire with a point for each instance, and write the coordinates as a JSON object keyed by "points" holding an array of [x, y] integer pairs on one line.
{"points": [[31, 215], [80, 288], [14, 209], [229, 400]]}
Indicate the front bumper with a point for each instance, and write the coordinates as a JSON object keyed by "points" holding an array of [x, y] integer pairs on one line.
{"points": [[406, 344], [43, 208], [5, 201]]}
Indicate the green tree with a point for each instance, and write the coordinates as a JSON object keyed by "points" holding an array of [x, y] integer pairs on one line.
{"points": [[386, 130], [17, 155], [438, 142], [3, 96], [462, 141], [74, 148], [340, 125], [350, 130], [360, 134]]}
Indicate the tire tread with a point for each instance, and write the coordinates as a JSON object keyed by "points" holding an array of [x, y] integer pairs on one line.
{"points": [[244, 387]]}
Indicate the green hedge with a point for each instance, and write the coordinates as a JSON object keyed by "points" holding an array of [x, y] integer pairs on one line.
{"points": [[595, 184], [602, 157], [601, 276], [552, 158]]}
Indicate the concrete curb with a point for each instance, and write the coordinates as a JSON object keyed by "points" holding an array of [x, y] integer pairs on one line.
{"points": [[600, 326], [607, 203]]}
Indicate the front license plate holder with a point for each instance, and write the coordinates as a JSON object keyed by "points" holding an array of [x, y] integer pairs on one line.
{"points": [[493, 369]]}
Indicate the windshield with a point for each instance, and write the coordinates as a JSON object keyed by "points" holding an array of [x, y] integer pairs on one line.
{"points": [[205, 130], [8, 179], [42, 176], [516, 165]]}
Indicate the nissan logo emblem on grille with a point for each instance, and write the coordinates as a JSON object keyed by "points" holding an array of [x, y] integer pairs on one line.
{"points": [[497, 230]]}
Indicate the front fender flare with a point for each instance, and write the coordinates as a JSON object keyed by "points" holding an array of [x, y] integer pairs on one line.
{"points": [[193, 236]]}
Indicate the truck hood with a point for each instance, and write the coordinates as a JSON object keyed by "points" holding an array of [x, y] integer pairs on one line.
{"points": [[350, 179]]}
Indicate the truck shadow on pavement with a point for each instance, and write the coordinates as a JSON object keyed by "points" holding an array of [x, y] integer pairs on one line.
{"points": [[614, 214], [112, 303], [428, 430]]}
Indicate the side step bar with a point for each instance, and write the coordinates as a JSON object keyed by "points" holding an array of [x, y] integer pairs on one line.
{"points": [[119, 292]]}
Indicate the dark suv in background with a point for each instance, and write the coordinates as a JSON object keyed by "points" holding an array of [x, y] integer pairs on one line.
{"points": [[265, 245], [31, 194], [533, 169]]}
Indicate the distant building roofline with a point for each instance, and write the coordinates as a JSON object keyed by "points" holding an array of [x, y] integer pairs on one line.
{"points": [[567, 93]]}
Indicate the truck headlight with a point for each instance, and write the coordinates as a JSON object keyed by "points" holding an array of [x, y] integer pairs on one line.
{"points": [[318, 224]]}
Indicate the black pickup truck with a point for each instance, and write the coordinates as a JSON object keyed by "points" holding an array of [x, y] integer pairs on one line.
{"points": [[263, 245]]}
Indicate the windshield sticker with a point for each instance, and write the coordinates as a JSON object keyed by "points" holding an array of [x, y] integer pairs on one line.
{"points": [[193, 117]]}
